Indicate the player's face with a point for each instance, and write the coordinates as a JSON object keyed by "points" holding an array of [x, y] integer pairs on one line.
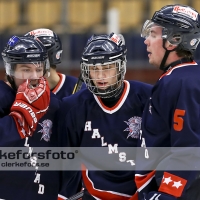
{"points": [[104, 76], [32, 71], [154, 42]]}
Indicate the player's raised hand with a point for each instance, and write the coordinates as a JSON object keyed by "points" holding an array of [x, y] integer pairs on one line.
{"points": [[31, 103]]}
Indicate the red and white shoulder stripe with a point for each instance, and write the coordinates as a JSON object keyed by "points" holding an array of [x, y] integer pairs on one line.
{"points": [[176, 67], [60, 83]]}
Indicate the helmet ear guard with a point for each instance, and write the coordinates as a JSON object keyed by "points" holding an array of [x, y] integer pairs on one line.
{"points": [[104, 50]]}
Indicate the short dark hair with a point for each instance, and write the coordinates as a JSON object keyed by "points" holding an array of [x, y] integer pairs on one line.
{"points": [[184, 54]]}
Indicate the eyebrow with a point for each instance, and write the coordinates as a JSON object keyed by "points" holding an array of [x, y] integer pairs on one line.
{"points": [[25, 66], [156, 29], [100, 67], [153, 31]]}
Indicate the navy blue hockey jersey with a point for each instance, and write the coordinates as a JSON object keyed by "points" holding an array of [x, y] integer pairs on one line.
{"points": [[38, 184], [85, 121], [171, 119], [65, 86], [35, 184], [7, 97]]}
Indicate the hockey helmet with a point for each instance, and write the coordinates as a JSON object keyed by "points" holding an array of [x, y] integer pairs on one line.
{"points": [[25, 50], [107, 51], [52, 43], [180, 26]]}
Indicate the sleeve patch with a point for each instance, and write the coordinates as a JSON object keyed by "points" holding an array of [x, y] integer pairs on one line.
{"points": [[173, 185]]}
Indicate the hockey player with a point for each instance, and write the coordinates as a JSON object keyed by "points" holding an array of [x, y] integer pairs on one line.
{"points": [[171, 116], [60, 84], [31, 101], [26, 60], [24, 78], [107, 114]]}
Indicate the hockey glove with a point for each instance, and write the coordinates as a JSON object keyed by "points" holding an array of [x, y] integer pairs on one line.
{"points": [[158, 196], [30, 104]]}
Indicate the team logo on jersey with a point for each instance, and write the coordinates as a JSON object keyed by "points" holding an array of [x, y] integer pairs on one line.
{"points": [[134, 124], [46, 130]]}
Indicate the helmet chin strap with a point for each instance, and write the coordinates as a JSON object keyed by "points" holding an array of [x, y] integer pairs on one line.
{"points": [[162, 65]]}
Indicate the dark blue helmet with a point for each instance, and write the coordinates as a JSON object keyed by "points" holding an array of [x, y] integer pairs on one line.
{"points": [[21, 50], [181, 26], [104, 50], [52, 43]]}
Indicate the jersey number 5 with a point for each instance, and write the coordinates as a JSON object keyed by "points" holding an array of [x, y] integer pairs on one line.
{"points": [[178, 119]]}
